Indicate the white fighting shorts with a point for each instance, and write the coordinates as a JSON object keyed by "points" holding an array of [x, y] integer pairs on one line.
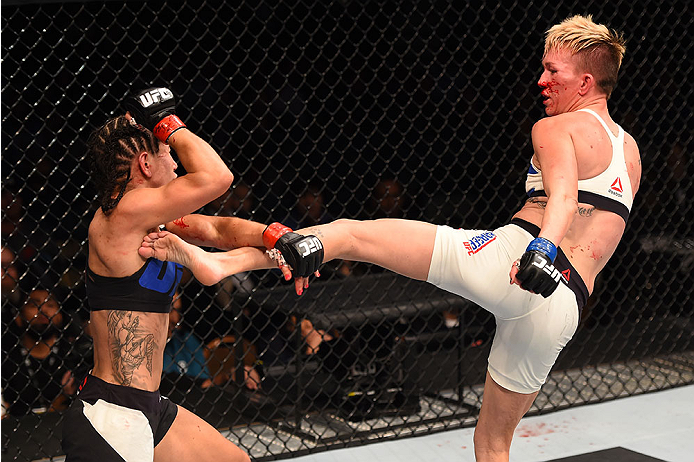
{"points": [[531, 330]]}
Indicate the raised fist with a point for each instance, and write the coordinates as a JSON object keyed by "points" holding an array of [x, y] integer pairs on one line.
{"points": [[154, 108]]}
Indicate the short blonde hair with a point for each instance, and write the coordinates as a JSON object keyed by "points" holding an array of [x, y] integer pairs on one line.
{"points": [[599, 50]]}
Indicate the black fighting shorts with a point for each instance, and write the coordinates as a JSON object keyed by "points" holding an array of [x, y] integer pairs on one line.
{"points": [[109, 423]]}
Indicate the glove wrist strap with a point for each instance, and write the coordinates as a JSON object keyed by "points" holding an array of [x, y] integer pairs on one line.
{"points": [[167, 126], [272, 234], [545, 246]]}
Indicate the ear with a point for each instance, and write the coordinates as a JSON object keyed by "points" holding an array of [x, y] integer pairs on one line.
{"points": [[144, 164], [587, 83]]}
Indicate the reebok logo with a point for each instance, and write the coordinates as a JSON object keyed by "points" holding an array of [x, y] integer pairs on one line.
{"points": [[155, 96], [616, 188]]}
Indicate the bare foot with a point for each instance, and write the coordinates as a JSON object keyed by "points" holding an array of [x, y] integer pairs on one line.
{"points": [[211, 267], [164, 246]]}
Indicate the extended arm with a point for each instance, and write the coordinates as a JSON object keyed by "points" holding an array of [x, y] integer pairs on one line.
{"points": [[224, 233]]}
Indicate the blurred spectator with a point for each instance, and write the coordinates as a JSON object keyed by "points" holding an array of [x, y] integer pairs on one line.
{"points": [[31, 240], [184, 352], [312, 337], [221, 354], [37, 367], [309, 209], [271, 329], [387, 200], [20, 230], [208, 365], [238, 201]]}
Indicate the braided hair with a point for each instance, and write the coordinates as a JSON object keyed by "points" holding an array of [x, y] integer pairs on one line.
{"points": [[110, 151]]}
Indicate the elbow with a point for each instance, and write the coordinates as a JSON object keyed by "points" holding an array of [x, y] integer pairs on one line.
{"points": [[222, 182], [225, 178], [213, 185], [228, 178], [571, 204], [563, 202]]}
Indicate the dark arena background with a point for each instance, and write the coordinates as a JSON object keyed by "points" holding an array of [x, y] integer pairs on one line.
{"points": [[326, 110]]}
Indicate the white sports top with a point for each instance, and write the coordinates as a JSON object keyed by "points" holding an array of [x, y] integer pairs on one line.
{"points": [[609, 190]]}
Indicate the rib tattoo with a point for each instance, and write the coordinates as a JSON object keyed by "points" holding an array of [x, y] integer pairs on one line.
{"points": [[129, 346], [581, 210]]}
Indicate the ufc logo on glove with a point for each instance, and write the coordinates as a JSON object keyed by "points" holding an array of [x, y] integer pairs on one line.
{"points": [[310, 245], [547, 268], [304, 254], [155, 96]]}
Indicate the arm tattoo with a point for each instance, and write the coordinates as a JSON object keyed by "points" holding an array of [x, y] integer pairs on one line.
{"points": [[130, 347]]}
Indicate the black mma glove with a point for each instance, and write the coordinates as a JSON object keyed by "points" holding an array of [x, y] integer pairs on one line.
{"points": [[154, 109], [536, 271], [303, 253]]}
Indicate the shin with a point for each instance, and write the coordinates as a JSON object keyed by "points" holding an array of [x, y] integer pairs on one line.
{"points": [[501, 412]]}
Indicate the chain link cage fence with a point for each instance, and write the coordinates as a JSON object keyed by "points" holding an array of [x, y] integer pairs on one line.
{"points": [[325, 110]]}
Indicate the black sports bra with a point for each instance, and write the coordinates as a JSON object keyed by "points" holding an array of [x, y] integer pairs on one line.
{"points": [[150, 289]]}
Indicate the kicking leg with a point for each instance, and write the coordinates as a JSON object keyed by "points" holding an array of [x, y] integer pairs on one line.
{"points": [[402, 246], [501, 412], [192, 439]]}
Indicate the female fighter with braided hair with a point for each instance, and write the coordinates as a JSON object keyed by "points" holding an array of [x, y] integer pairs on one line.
{"points": [[581, 184], [119, 414]]}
